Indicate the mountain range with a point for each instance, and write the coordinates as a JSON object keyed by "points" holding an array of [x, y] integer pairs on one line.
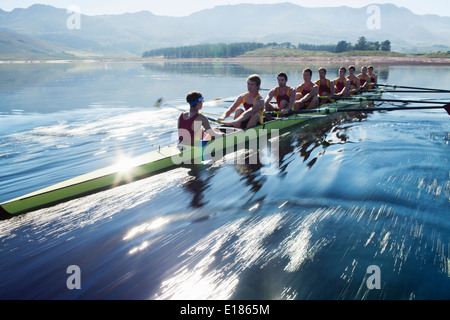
{"points": [[43, 30]]}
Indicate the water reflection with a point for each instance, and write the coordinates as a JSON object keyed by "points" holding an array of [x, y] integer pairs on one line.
{"points": [[196, 184], [320, 133], [254, 173], [15, 77], [200, 68], [128, 84], [341, 198], [213, 266], [243, 69]]}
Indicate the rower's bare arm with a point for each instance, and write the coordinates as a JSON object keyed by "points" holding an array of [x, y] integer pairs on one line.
{"points": [[259, 105], [314, 92], [336, 92], [315, 89], [298, 95], [269, 98], [208, 129], [291, 100], [345, 89], [232, 108]]}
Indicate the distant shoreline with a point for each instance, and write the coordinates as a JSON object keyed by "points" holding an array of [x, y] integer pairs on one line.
{"points": [[318, 60], [355, 60]]}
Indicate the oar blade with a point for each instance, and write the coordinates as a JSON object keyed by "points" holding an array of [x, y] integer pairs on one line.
{"points": [[447, 108], [158, 102]]}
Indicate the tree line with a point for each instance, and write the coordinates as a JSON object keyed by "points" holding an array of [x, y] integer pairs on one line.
{"points": [[222, 50], [342, 46], [363, 45]]}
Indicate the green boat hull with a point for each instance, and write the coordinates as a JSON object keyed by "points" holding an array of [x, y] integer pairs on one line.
{"points": [[148, 164]]}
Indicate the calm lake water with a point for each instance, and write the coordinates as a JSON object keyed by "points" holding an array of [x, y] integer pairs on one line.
{"points": [[353, 192]]}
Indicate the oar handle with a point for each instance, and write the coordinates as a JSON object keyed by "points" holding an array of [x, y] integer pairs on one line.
{"points": [[309, 111], [213, 120]]}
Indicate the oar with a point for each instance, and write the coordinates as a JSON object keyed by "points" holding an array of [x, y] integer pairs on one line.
{"points": [[334, 110], [405, 91], [415, 88], [159, 102], [213, 120], [382, 100]]}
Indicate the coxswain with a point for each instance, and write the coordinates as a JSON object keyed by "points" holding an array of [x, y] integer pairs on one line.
{"points": [[190, 123]]}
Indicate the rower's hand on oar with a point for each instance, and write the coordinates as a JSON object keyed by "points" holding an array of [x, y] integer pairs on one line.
{"points": [[222, 121]]}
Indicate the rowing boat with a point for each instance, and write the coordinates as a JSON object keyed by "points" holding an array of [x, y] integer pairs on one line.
{"points": [[152, 163]]}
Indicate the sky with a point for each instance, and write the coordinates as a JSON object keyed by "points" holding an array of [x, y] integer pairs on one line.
{"points": [[179, 8]]}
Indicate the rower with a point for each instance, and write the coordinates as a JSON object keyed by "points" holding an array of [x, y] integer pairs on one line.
{"points": [[283, 94], [364, 78], [341, 84], [190, 123], [306, 95], [354, 81], [326, 87], [373, 77], [253, 103]]}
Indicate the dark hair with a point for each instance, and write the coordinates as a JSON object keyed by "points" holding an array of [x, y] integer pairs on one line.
{"points": [[351, 67], [322, 68], [282, 74], [193, 96], [342, 68], [308, 70]]}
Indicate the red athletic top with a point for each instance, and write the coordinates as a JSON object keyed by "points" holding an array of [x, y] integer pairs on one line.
{"points": [[188, 126], [323, 87], [354, 81], [248, 105], [339, 85], [286, 96], [303, 91], [362, 81]]}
